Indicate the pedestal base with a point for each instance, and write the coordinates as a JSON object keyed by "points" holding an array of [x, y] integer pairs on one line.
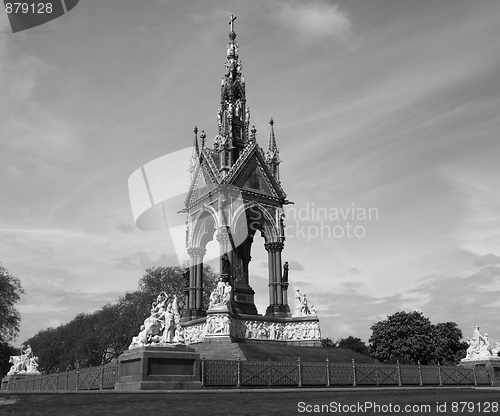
{"points": [[492, 362], [159, 368], [280, 311]]}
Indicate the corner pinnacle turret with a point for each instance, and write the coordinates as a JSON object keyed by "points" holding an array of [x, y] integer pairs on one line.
{"points": [[273, 154]]}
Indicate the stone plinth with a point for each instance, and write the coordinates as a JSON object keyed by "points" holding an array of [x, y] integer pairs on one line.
{"points": [[159, 368], [5, 382], [221, 325], [491, 362]]}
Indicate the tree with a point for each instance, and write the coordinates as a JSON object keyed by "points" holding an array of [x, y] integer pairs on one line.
{"points": [[449, 347], [327, 343], [6, 350], [404, 336], [353, 343], [171, 281], [97, 338], [10, 293], [411, 338]]}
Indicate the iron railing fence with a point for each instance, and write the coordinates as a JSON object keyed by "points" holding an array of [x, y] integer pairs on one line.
{"points": [[90, 378], [241, 373], [222, 373]]}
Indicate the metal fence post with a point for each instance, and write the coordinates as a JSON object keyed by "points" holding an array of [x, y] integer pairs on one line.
{"points": [[354, 383], [399, 373], [77, 377], [492, 376], [300, 372], [440, 375], [203, 371], [327, 372], [101, 387], [238, 373], [269, 372], [420, 374], [474, 373], [67, 379]]}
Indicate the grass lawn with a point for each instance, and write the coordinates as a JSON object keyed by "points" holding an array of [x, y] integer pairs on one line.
{"points": [[251, 402]]}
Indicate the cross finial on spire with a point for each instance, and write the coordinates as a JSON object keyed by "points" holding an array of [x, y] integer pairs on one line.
{"points": [[271, 122], [231, 22]]}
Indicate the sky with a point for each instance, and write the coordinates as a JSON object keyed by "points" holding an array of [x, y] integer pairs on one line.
{"points": [[386, 116]]}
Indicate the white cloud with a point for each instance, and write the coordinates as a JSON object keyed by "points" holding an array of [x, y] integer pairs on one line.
{"points": [[316, 20]]}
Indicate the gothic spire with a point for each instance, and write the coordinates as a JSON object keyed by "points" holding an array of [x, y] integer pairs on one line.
{"points": [[196, 152], [233, 116], [273, 154]]}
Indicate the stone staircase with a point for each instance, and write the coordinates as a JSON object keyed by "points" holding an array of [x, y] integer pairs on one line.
{"points": [[224, 350]]}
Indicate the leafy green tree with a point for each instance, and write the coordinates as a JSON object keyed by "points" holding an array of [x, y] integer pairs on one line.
{"points": [[449, 345], [171, 281], [327, 343], [10, 293], [410, 338], [355, 344], [6, 350], [404, 336], [97, 338]]}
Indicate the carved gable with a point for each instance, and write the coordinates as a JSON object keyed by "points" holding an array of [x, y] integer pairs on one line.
{"points": [[254, 175], [202, 183]]}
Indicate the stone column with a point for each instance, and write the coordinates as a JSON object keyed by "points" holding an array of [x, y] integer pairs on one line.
{"points": [[196, 255], [192, 280], [270, 264], [226, 248], [274, 263], [224, 245], [279, 274], [277, 293]]}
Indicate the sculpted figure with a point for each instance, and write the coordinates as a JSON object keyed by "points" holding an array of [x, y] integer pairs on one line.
{"points": [[305, 308], [226, 297], [33, 366], [479, 346], [179, 335], [17, 364], [297, 303], [186, 275], [272, 331], [224, 264], [284, 278], [26, 363]]}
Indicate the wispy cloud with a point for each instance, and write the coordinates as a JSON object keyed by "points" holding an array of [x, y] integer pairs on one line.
{"points": [[315, 20]]}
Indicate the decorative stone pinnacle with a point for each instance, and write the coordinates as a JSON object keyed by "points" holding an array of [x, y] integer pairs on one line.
{"points": [[195, 131]]}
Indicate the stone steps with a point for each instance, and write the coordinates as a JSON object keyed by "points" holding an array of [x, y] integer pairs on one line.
{"points": [[225, 350]]}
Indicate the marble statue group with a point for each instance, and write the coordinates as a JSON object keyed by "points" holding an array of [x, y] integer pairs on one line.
{"points": [[221, 295], [300, 306], [26, 363], [479, 346], [162, 327]]}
